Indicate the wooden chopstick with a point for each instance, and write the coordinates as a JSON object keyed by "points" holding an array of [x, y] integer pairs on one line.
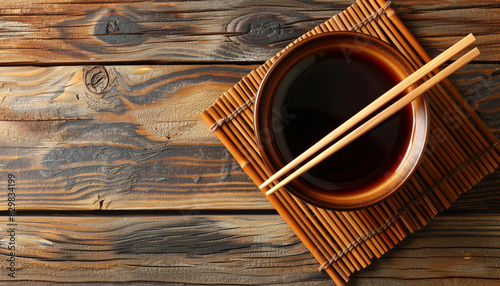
{"points": [[379, 118], [376, 104]]}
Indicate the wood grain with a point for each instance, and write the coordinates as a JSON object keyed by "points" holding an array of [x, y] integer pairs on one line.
{"points": [[148, 105], [423, 258], [141, 143], [480, 86], [107, 177], [235, 250], [482, 198], [138, 144], [52, 32], [119, 180]]}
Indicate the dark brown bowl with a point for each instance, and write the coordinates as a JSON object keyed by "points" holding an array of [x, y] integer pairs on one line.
{"points": [[316, 85]]}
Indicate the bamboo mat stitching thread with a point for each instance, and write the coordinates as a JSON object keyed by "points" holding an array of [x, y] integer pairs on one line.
{"points": [[371, 17], [231, 116]]}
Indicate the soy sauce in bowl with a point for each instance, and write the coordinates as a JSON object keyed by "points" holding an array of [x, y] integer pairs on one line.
{"points": [[316, 87]]}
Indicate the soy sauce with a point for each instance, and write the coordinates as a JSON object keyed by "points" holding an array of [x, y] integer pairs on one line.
{"points": [[320, 93]]}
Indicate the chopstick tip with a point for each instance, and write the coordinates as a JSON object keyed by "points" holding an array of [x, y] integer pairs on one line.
{"points": [[272, 190], [471, 36]]}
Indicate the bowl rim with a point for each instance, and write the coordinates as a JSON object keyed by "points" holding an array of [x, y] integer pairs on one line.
{"points": [[422, 118]]}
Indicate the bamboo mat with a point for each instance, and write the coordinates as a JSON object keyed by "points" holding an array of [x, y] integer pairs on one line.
{"points": [[461, 150]]}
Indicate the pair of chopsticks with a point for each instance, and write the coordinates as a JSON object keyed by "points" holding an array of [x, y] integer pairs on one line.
{"points": [[372, 107]]}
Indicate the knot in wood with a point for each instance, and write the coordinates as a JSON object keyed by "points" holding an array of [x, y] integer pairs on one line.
{"points": [[115, 29], [263, 28], [113, 26], [96, 79]]}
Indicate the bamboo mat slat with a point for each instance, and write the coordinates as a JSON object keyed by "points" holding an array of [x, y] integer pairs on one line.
{"points": [[461, 150]]}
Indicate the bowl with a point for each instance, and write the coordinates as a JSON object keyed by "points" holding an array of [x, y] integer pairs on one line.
{"points": [[316, 85]]}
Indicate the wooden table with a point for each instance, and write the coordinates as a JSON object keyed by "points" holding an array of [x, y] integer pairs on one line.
{"points": [[117, 179]]}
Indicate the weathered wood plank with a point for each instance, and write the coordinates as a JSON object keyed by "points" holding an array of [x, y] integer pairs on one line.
{"points": [[450, 250], [151, 104], [138, 106], [480, 86], [110, 177], [175, 250], [482, 198], [42, 31], [173, 177], [141, 143], [234, 250]]}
